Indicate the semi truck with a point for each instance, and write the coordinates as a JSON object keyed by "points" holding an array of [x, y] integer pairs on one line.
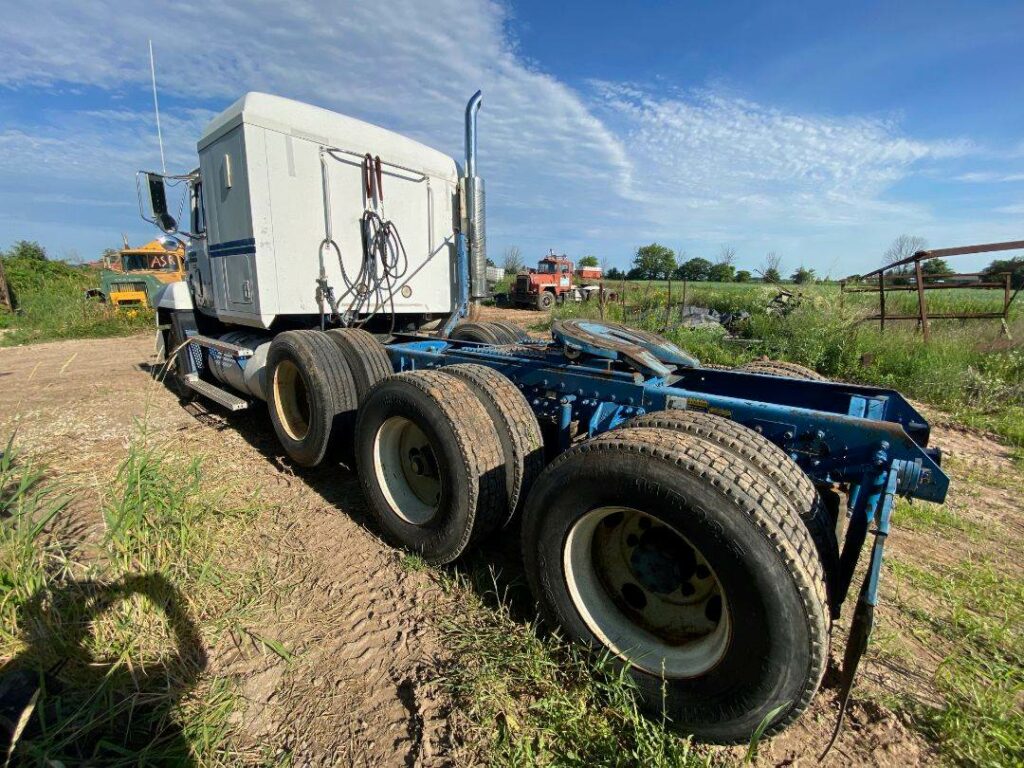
{"points": [[140, 274], [700, 526], [542, 287]]}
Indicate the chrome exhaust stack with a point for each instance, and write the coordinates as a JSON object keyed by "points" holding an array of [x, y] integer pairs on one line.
{"points": [[474, 222]]}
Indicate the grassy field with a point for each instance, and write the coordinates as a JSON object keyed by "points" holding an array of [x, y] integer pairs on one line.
{"points": [[50, 304], [969, 369], [125, 622]]}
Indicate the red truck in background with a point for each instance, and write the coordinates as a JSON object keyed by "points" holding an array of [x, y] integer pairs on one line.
{"points": [[553, 280]]}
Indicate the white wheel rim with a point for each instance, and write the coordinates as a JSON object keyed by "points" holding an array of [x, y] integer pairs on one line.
{"points": [[407, 473], [291, 400], [646, 592]]}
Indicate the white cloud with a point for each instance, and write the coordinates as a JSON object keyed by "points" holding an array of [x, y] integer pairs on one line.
{"points": [[595, 169], [990, 177], [703, 149]]}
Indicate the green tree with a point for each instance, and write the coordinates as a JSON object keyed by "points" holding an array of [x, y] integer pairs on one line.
{"points": [[653, 262], [615, 274], [694, 269], [802, 275], [722, 272], [770, 268], [587, 261], [1014, 266], [26, 249], [743, 276], [936, 267]]}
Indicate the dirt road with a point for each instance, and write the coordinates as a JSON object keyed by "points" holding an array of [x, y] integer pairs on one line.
{"points": [[356, 622], [360, 626]]}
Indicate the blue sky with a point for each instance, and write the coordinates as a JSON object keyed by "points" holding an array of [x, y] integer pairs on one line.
{"points": [[819, 131]]}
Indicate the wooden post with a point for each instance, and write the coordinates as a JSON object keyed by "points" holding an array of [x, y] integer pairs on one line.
{"points": [[684, 295], [5, 294], [922, 309], [600, 298], [881, 300]]}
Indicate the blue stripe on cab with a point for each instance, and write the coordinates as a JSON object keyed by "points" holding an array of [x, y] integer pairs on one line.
{"points": [[232, 248]]}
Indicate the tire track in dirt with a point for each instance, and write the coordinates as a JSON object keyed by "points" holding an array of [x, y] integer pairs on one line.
{"points": [[359, 688]]}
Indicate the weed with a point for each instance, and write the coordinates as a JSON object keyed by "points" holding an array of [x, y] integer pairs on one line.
{"points": [[28, 504], [413, 562], [536, 700], [966, 369], [935, 518], [114, 647], [978, 620], [51, 302]]}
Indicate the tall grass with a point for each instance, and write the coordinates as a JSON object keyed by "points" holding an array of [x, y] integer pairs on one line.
{"points": [[967, 368], [529, 700], [114, 642], [50, 302], [977, 619]]}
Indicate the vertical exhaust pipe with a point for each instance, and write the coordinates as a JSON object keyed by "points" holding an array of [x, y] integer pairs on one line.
{"points": [[474, 219]]}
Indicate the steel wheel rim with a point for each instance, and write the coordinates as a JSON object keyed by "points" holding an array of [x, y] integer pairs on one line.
{"points": [[407, 472], [646, 592], [291, 400]]}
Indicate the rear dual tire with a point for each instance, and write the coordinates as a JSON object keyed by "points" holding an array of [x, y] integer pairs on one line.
{"points": [[790, 482], [489, 332], [430, 464], [622, 534], [311, 395], [781, 368], [315, 383]]}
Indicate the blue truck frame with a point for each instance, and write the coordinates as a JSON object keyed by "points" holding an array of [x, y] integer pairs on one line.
{"points": [[868, 438]]}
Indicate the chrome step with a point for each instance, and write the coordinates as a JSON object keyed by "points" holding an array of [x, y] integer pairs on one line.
{"points": [[221, 346], [218, 395]]}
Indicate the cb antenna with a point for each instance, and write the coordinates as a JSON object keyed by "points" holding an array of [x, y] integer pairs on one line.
{"points": [[156, 108]]}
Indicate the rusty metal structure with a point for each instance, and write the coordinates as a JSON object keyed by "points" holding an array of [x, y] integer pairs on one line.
{"points": [[917, 282]]}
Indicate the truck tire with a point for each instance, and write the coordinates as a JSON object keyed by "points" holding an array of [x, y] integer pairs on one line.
{"points": [[514, 332], [174, 375], [310, 393], [366, 357], [430, 463], [484, 333], [545, 300], [774, 463], [521, 440], [681, 560], [781, 368]]}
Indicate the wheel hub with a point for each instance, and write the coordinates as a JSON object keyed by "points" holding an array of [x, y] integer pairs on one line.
{"points": [[647, 592], [407, 470], [661, 561]]}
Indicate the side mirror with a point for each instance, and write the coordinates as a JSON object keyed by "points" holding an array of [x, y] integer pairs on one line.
{"points": [[158, 202]]}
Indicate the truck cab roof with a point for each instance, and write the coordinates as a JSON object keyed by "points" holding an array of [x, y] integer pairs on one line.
{"points": [[330, 129]]}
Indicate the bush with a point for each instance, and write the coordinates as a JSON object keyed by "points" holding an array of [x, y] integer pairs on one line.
{"points": [[49, 298]]}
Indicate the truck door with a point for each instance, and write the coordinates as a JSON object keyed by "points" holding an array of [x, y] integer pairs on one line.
{"points": [[197, 258], [232, 249]]}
